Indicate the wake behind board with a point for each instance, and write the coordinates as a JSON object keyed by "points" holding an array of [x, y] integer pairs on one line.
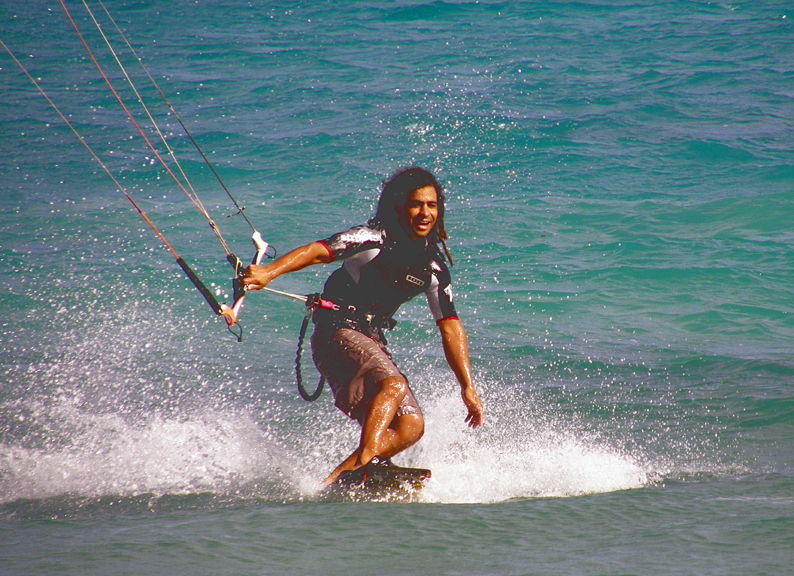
{"points": [[381, 480]]}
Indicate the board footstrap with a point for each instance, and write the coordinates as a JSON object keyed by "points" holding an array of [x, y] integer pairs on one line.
{"points": [[384, 476]]}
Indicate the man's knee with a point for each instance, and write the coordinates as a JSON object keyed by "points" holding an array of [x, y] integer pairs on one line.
{"points": [[411, 427], [419, 429], [395, 386]]}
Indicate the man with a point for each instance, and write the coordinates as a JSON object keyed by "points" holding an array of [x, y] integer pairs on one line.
{"points": [[385, 264]]}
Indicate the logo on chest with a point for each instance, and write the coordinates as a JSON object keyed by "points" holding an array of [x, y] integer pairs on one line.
{"points": [[415, 280]]}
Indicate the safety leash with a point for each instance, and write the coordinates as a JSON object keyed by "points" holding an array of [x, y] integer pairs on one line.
{"points": [[313, 302], [301, 389]]}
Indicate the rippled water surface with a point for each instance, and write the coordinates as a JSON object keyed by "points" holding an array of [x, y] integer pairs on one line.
{"points": [[619, 184]]}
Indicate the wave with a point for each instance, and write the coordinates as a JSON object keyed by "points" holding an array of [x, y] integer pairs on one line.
{"points": [[225, 459], [102, 419]]}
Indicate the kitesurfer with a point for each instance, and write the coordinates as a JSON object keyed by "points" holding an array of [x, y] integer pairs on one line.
{"points": [[395, 257]]}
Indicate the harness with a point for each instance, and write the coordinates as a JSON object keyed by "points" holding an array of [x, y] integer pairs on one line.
{"points": [[362, 322]]}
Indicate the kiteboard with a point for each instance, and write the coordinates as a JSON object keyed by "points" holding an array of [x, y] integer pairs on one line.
{"points": [[379, 480]]}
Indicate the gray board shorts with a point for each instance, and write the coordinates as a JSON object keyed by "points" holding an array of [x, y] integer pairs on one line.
{"points": [[354, 364]]}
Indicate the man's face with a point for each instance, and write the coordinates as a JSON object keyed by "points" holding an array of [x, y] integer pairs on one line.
{"points": [[420, 212]]}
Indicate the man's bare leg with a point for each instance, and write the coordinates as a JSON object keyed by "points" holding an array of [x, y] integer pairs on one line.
{"points": [[377, 438], [410, 429]]}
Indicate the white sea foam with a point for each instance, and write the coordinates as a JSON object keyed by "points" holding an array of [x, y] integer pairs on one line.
{"points": [[520, 452], [516, 457], [104, 417], [106, 455]]}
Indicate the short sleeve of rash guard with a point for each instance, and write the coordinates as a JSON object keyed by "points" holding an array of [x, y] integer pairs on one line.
{"points": [[343, 245], [439, 296]]}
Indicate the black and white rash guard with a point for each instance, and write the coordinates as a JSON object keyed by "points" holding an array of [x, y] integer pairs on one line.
{"points": [[379, 274]]}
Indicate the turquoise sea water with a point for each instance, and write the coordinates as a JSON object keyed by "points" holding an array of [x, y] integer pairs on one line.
{"points": [[620, 183]]}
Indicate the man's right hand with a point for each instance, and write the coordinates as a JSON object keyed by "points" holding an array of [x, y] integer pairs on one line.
{"points": [[474, 406]]}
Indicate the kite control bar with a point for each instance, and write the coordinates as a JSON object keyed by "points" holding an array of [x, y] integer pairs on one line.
{"points": [[230, 313]]}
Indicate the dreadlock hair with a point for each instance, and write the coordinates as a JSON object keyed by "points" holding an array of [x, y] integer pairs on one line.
{"points": [[395, 193]]}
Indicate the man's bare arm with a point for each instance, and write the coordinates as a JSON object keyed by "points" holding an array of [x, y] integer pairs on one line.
{"points": [[257, 277], [456, 350]]}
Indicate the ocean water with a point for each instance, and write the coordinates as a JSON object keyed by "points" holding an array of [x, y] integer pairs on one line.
{"points": [[620, 180]]}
